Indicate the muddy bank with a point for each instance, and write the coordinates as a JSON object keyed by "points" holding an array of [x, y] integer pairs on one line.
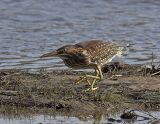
{"points": [[124, 86]]}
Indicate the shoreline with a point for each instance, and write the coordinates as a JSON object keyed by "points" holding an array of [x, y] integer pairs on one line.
{"points": [[124, 87]]}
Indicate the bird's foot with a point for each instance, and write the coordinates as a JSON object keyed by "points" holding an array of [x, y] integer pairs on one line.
{"points": [[90, 79], [80, 79], [77, 81], [84, 77], [91, 89]]}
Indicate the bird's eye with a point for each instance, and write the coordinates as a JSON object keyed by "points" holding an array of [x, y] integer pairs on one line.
{"points": [[61, 51]]}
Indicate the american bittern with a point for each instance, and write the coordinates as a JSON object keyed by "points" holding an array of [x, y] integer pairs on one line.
{"points": [[88, 54]]}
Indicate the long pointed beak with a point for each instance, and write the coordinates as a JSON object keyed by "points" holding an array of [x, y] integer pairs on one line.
{"points": [[51, 54]]}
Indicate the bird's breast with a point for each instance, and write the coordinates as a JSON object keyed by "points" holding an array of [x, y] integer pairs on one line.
{"points": [[77, 61]]}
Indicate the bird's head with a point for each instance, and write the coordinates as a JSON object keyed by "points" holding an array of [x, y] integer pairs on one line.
{"points": [[62, 52]]}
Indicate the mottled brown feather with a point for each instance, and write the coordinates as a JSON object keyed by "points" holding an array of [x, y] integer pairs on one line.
{"points": [[87, 53]]}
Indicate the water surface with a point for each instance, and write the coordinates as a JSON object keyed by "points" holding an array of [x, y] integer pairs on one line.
{"points": [[29, 28], [110, 119]]}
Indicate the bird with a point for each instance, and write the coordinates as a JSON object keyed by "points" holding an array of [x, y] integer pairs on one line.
{"points": [[90, 54]]}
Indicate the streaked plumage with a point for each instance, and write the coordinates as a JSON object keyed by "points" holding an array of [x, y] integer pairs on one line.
{"points": [[88, 54]]}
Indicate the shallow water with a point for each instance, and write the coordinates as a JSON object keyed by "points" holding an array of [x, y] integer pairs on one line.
{"points": [[41, 119], [30, 28], [112, 119]]}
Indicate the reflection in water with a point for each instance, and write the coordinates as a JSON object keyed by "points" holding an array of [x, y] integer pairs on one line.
{"points": [[13, 115], [29, 28]]}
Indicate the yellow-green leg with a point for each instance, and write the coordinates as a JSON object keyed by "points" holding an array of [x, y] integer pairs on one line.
{"points": [[92, 88], [99, 72], [84, 77], [98, 76]]}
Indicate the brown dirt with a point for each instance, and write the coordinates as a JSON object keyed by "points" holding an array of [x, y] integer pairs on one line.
{"points": [[124, 86]]}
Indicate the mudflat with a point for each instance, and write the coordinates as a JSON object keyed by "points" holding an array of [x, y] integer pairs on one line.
{"points": [[124, 86]]}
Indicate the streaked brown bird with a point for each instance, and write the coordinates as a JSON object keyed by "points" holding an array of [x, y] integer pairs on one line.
{"points": [[88, 54]]}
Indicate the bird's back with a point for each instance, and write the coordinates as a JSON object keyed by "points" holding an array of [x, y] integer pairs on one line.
{"points": [[101, 51]]}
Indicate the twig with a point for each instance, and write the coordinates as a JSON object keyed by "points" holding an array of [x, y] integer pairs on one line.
{"points": [[155, 73], [151, 116], [152, 61], [9, 92], [147, 113]]}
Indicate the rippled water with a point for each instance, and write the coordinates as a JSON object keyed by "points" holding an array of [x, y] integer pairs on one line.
{"points": [[29, 28], [44, 119]]}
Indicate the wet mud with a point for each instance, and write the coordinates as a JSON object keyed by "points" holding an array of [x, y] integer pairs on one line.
{"points": [[124, 87]]}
